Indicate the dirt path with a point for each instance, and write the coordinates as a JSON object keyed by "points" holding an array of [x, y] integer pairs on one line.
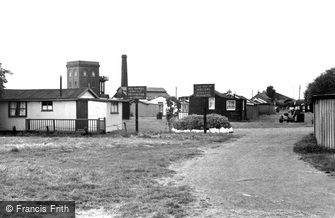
{"points": [[259, 175]]}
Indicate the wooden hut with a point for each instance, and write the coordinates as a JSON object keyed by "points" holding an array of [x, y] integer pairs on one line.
{"points": [[252, 110], [324, 119], [227, 104]]}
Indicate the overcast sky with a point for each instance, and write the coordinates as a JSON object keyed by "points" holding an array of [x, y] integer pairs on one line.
{"points": [[238, 45]]}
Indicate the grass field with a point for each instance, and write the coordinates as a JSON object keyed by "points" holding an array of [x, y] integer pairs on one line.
{"points": [[119, 174]]}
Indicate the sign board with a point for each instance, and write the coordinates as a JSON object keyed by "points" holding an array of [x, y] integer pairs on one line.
{"points": [[204, 90], [137, 92]]}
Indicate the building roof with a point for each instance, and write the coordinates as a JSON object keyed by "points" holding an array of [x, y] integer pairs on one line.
{"points": [[156, 89], [228, 95], [263, 98], [44, 94], [329, 95], [251, 102], [149, 89], [231, 95], [82, 63]]}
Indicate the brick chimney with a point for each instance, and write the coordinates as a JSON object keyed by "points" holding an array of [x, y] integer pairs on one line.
{"points": [[124, 72]]}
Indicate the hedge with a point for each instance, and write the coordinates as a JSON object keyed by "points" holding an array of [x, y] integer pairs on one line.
{"points": [[195, 121]]}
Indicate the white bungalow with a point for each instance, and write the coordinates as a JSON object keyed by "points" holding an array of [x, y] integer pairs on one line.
{"points": [[58, 110]]}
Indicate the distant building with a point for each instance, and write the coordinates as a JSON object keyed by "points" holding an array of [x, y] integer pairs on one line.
{"points": [[121, 93], [267, 106], [85, 74], [227, 104], [155, 92]]}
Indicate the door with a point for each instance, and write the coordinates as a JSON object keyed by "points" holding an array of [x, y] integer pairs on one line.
{"points": [[82, 115]]}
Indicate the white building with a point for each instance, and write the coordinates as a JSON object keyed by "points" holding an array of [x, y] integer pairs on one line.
{"points": [[58, 110]]}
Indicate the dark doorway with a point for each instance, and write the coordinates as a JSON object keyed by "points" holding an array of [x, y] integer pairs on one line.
{"points": [[82, 115]]}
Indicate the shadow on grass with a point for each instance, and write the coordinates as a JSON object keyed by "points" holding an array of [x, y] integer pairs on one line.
{"points": [[320, 157]]}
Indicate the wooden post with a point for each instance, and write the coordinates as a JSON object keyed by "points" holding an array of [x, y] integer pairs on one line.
{"points": [[27, 124], [98, 125], [136, 116], [54, 124], [205, 113], [125, 127], [105, 125]]}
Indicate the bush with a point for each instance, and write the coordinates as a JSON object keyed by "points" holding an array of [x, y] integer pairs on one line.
{"points": [[195, 121]]}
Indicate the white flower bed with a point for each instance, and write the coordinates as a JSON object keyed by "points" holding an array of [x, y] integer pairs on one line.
{"points": [[211, 130]]}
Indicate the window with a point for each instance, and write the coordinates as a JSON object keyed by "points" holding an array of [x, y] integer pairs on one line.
{"points": [[75, 84], [211, 103], [230, 105], [75, 73], [70, 73], [93, 73], [18, 109], [160, 107], [84, 74], [70, 84], [47, 106], [114, 108]]}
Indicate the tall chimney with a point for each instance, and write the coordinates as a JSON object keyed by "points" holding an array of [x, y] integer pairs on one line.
{"points": [[60, 86], [124, 72]]}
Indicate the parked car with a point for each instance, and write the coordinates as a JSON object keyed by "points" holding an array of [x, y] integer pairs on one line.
{"points": [[292, 116]]}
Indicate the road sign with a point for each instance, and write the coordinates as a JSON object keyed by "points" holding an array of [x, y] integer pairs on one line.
{"points": [[204, 90], [137, 92]]}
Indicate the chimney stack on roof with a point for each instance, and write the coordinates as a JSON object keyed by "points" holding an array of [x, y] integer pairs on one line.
{"points": [[60, 86], [124, 72]]}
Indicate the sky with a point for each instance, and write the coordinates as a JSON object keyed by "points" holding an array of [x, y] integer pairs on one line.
{"points": [[241, 45]]}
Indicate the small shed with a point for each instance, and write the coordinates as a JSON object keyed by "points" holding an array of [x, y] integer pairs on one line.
{"points": [[252, 110], [227, 104], [324, 119]]}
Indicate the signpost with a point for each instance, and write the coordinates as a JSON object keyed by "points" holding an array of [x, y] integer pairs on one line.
{"points": [[204, 91], [136, 93]]}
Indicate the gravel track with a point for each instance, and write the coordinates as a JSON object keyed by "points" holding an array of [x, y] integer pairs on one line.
{"points": [[258, 175]]}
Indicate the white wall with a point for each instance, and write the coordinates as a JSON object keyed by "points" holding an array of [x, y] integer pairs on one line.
{"points": [[61, 110], [160, 99], [87, 95], [98, 109], [113, 121]]}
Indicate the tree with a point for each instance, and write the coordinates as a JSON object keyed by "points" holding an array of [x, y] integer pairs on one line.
{"points": [[3, 79], [271, 92], [322, 84], [173, 106]]}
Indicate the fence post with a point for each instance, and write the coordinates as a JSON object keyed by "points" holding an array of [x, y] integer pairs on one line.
{"points": [[54, 124], [27, 124], [105, 130], [98, 125]]}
